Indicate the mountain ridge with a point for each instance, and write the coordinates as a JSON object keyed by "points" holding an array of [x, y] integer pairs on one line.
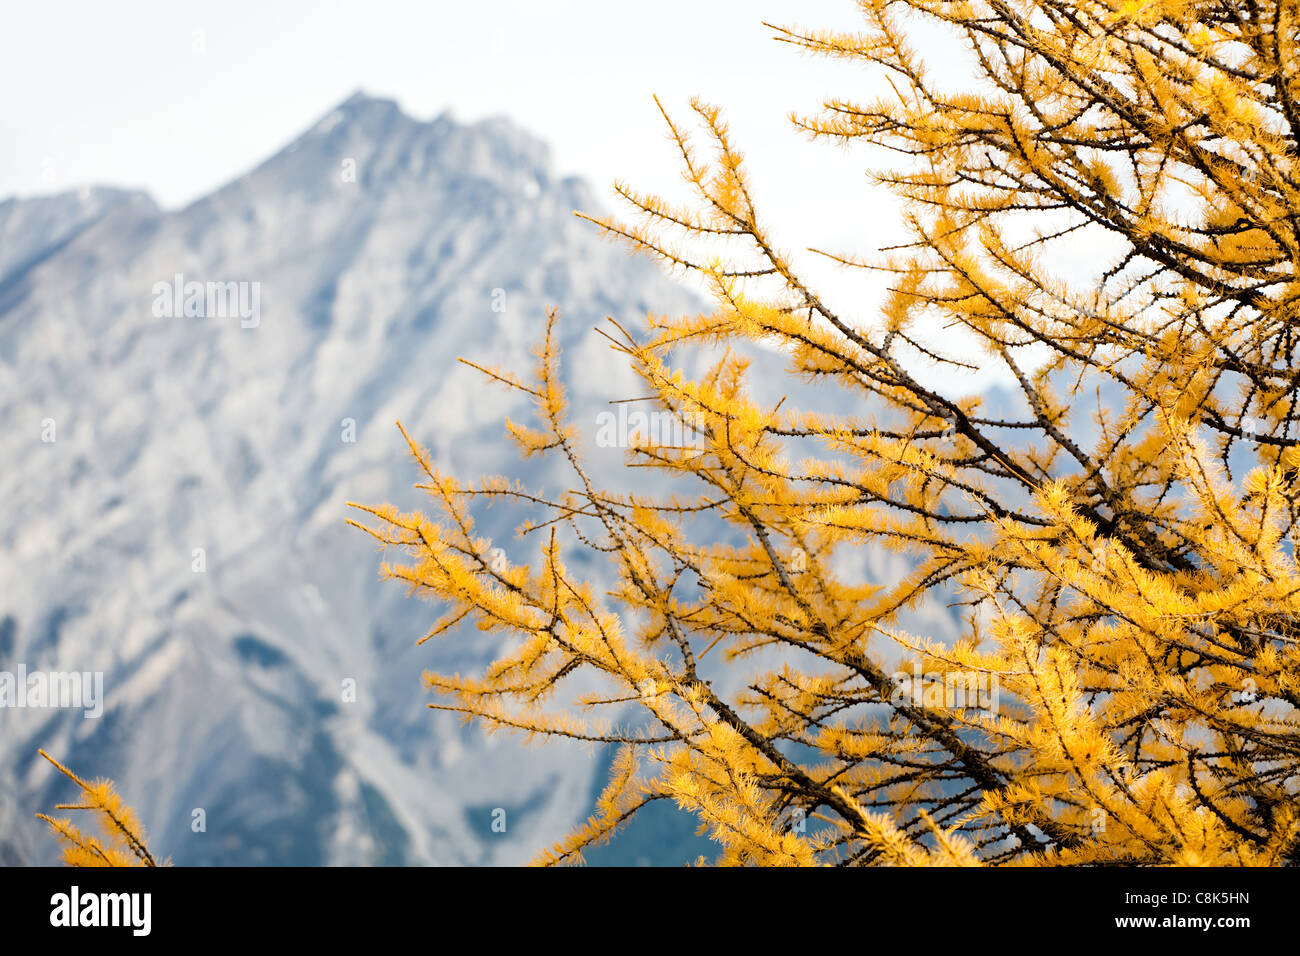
{"points": [[184, 531], [186, 441]]}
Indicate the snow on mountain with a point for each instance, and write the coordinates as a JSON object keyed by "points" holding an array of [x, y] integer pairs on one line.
{"points": [[175, 485]]}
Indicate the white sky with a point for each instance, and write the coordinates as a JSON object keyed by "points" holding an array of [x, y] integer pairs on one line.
{"points": [[180, 97], [118, 93]]}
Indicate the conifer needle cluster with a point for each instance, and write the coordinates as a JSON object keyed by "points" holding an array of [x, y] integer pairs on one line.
{"points": [[1120, 539]]}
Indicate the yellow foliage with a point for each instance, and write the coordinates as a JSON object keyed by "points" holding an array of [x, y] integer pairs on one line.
{"points": [[121, 841], [1127, 684]]}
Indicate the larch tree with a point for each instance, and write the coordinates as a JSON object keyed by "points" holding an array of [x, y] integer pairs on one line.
{"points": [[121, 840], [1119, 539]]}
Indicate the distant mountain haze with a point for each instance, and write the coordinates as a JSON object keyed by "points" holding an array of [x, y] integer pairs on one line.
{"points": [[188, 397]]}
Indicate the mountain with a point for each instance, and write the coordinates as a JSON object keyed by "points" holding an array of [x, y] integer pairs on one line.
{"points": [[177, 466], [33, 229]]}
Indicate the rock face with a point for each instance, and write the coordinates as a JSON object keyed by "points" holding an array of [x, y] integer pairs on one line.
{"points": [[189, 397], [176, 484]]}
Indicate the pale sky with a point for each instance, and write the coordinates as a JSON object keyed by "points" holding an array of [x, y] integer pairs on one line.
{"points": [[179, 97]]}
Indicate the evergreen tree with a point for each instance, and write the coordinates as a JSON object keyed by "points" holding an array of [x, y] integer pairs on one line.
{"points": [[1122, 544]]}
